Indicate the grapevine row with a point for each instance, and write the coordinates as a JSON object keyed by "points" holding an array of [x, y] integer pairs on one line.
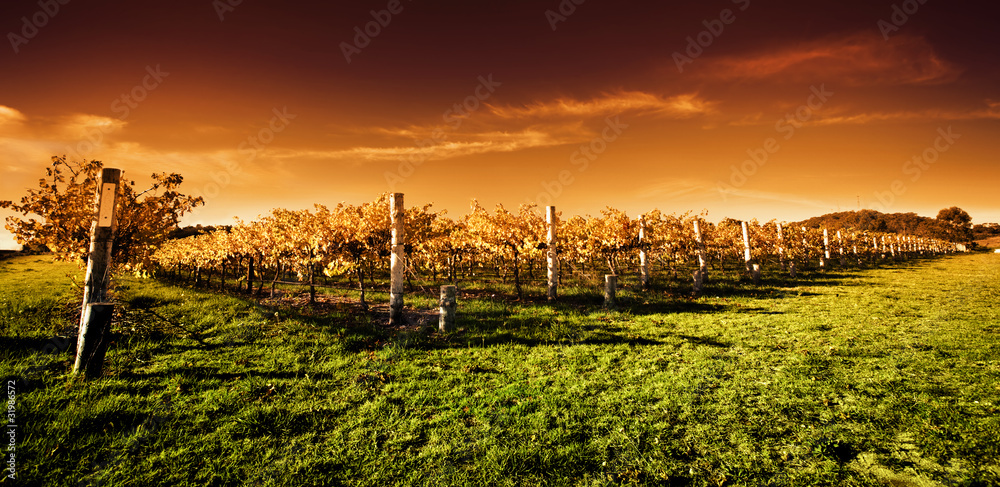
{"points": [[354, 241]]}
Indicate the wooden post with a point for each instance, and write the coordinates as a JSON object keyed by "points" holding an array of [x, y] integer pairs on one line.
{"points": [[752, 268], [449, 306], [94, 323], [93, 341], [699, 282], [746, 245], [825, 257], [610, 286], [840, 249], [781, 247], [398, 260], [702, 262], [643, 258], [552, 252]]}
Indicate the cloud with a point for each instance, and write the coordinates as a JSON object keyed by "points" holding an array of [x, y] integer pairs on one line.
{"points": [[513, 128], [862, 59], [83, 126], [10, 116], [476, 143], [990, 112], [679, 106]]}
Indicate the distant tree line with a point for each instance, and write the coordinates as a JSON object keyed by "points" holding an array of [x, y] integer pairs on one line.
{"points": [[952, 224], [985, 230]]}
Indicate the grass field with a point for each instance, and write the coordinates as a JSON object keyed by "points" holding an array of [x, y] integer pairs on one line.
{"points": [[861, 377]]}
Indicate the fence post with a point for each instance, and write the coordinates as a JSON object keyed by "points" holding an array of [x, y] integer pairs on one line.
{"points": [[610, 285], [840, 248], [95, 320], [643, 258], [398, 259], [702, 263], [781, 248], [449, 306], [552, 252], [752, 268], [824, 259]]}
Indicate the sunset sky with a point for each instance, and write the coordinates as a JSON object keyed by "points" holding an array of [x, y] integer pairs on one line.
{"points": [[635, 105]]}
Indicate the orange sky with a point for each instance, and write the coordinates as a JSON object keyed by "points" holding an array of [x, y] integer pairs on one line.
{"points": [[258, 107]]}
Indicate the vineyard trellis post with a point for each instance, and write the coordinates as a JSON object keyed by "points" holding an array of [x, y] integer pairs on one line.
{"points": [[449, 306], [552, 252], [840, 248], [610, 286], [702, 272], [751, 268], [96, 313], [643, 258], [747, 255], [824, 259], [398, 259], [781, 248]]}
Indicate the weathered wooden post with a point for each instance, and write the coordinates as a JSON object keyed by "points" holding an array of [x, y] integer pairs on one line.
{"points": [[96, 313], [699, 282], [610, 286], [840, 249], [398, 259], [752, 268], [449, 306], [781, 248], [643, 258], [702, 276], [825, 257], [552, 252], [746, 245]]}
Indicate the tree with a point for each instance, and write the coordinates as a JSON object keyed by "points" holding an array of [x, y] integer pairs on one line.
{"points": [[957, 224], [65, 202]]}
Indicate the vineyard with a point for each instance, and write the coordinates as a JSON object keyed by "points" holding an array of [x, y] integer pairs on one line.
{"points": [[352, 246]]}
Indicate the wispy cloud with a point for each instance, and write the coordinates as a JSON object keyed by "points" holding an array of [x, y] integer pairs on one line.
{"points": [[680, 106], [509, 128], [859, 59], [11, 116], [476, 143], [991, 111]]}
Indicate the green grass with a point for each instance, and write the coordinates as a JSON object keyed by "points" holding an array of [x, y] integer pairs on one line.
{"points": [[861, 377]]}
